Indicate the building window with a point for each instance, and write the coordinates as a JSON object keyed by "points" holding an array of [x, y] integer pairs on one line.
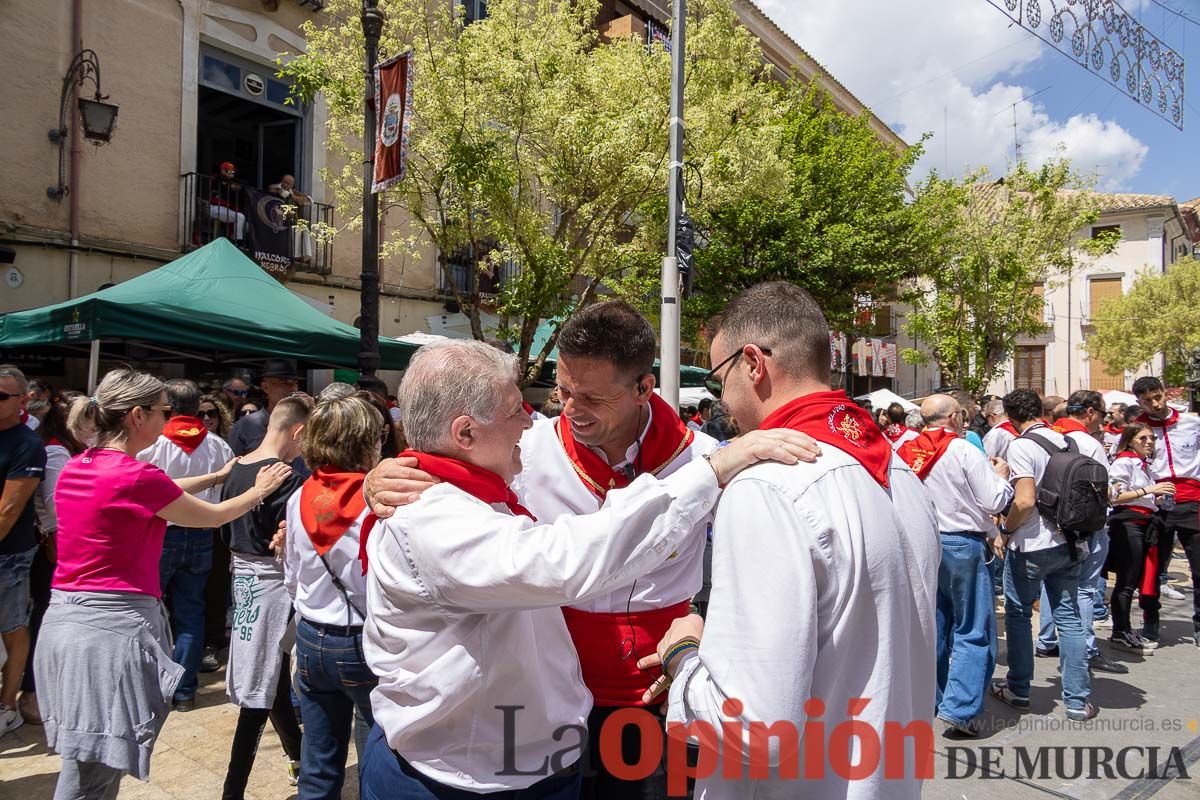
{"points": [[1039, 289], [1097, 230], [473, 10], [1029, 368]]}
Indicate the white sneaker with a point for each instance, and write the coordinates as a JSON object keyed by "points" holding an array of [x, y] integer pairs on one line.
{"points": [[10, 719], [1103, 623], [1170, 592]]}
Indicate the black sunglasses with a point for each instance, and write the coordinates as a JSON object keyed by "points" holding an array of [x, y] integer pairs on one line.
{"points": [[713, 384], [211, 413], [245, 412], [6, 396]]}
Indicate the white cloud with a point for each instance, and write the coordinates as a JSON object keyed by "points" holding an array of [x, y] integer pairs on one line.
{"points": [[947, 67]]}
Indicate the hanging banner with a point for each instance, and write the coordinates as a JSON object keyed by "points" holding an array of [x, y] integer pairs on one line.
{"points": [[271, 220], [891, 358], [393, 114], [837, 353], [877, 357]]}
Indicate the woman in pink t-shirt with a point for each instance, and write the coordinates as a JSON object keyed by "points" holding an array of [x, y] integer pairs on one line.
{"points": [[103, 667]]}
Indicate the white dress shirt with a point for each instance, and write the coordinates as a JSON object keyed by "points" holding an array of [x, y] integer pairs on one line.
{"points": [[313, 592], [1090, 446], [996, 442], [907, 436], [1126, 474], [1027, 459], [549, 487], [824, 586], [210, 456], [464, 616], [965, 489]]}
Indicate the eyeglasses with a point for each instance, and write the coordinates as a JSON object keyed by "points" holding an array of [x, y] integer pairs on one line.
{"points": [[245, 412], [715, 385], [211, 413], [238, 392], [5, 396], [163, 409]]}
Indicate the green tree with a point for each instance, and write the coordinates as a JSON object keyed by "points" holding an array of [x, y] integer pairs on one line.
{"points": [[532, 144], [825, 207], [1159, 314], [979, 294]]}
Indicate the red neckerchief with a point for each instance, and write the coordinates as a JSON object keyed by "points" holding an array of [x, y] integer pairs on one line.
{"points": [[831, 418], [186, 432], [1067, 425], [1008, 427], [1171, 419], [1130, 454], [475, 481], [54, 441], [330, 502], [1114, 431], [924, 451], [667, 437], [894, 431], [24, 418], [528, 408]]}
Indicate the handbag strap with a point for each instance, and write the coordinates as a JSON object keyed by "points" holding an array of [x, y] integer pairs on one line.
{"points": [[341, 587]]}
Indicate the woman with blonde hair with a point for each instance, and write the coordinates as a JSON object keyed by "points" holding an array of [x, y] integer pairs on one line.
{"points": [[104, 671], [323, 574]]}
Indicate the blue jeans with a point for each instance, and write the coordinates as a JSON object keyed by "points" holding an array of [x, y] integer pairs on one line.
{"points": [[182, 574], [1090, 598], [1024, 574], [966, 627], [386, 776], [333, 680]]}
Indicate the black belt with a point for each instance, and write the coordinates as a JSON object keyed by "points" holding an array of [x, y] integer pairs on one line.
{"points": [[972, 534], [334, 630]]}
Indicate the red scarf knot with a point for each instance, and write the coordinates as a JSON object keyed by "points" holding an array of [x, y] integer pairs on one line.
{"points": [[1154, 422], [832, 418], [1068, 425], [924, 451], [667, 437], [186, 432]]}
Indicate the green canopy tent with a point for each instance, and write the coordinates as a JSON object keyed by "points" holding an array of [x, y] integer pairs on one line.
{"points": [[213, 305]]}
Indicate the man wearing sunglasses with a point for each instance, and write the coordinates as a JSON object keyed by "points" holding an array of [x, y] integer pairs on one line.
{"points": [[235, 390], [185, 450], [824, 573], [22, 464]]}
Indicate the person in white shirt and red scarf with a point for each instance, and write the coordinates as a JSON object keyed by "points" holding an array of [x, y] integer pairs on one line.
{"points": [[895, 430], [613, 428], [1176, 460], [824, 579], [1113, 427], [1133, 528], [1000, 431], [185, 450], [967, 492], [480, 689]]}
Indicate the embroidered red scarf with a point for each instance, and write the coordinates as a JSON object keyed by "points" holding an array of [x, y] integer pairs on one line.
{"points": [[1067, 425], [664, 441], [894, 431], [924, 451], [831, 418], [330, 502], [186, 432]]}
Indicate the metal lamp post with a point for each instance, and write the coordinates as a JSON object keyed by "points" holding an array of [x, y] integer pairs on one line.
{"points": [[668, 372], [368, 356]]}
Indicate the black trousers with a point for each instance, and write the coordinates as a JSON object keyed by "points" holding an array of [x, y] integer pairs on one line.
{"points": [[250, 725], [1183, 523], [217, 595], [1127, 544], [41, 573], [600, 784]]}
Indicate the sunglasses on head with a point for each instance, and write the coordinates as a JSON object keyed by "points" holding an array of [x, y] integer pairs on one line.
{"points": [[211, 413], [713, 384]]}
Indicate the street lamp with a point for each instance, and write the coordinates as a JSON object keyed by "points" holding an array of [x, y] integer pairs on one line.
{"points": [[98, 117], [368, 355]]}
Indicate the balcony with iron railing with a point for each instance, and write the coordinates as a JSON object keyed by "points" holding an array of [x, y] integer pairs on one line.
{"points": [[214, 209], [467, 278]]}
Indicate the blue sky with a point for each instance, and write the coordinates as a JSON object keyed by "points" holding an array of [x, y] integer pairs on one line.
{"points": [[956, 68]]}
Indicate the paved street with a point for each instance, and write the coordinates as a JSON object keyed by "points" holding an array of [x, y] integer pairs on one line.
{"points": [[1156, 705]]}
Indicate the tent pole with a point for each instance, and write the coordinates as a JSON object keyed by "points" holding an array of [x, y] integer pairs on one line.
{"points": [[94, 367]]}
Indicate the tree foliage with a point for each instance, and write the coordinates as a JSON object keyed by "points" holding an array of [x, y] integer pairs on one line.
{"points": [[533, 144], [825, 207], [1159, 314], [979, 294]]}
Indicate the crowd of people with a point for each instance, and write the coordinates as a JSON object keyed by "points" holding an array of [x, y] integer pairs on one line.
{"points": [[484, 598]]}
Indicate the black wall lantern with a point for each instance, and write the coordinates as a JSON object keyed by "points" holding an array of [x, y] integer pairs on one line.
{"points": [[97, 117]]}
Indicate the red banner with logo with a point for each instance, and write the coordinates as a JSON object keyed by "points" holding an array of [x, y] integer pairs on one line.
{"points": [[393, 119]]}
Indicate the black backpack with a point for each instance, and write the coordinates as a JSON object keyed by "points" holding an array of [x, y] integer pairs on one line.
{"points": [[1074, 490]]}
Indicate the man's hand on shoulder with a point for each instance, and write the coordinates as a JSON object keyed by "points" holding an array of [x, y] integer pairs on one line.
{"points": [[393, 483]]}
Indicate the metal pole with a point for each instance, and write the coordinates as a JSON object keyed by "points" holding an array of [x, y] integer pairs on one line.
{"points": [[368, 356], [669, 369], [94, 366]]}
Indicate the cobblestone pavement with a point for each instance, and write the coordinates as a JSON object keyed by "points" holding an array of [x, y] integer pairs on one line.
{"points": [[1157, 705]]}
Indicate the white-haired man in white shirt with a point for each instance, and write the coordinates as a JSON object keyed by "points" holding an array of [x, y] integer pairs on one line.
{"points": [[480, 688]]}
